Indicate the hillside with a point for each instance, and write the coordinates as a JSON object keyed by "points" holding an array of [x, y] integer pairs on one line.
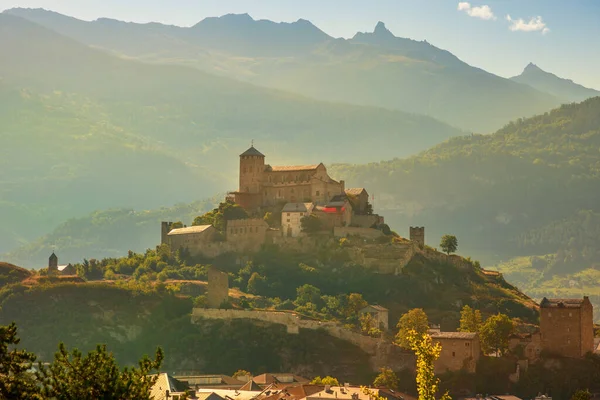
{"points": [[375, 69], [81, 126], [529, 189], [146, 303], [562, 88]]}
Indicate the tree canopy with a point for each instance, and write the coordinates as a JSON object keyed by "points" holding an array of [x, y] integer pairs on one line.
{"points": [[415, 321], [449, 244], [494, 334]]}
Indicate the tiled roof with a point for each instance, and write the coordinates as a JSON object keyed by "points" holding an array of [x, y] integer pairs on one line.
{"points": [[282, 168], [252, 152], [164, 383], [189, 229], [454, 335], [375, 307], [355, 191], [251, 386], [297, 207], [561, 303]]}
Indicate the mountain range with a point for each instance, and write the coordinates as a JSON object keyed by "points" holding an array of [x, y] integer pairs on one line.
{"points": [[85, 130], [547, 82], [374, 68]]}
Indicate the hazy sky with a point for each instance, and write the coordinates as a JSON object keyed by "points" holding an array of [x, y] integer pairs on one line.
{"points": [[501, 36]]}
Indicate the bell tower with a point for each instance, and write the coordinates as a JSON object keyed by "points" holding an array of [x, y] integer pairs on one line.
{"points": [[252, 166], [53, 263]]}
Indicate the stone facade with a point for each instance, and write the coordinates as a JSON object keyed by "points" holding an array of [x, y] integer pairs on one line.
{"points": [[291, 217], [193, 238], [218, 288], [367, 233], [247, 234], [529, 344], [567, 326], [263, 185], [417, 235], [460, 350], [359, 198]]}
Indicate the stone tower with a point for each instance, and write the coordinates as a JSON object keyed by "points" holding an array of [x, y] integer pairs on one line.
{"points": [[252, 166], [218, 288], [53, 263], [567, 326], [165, 228], [417, 234]]}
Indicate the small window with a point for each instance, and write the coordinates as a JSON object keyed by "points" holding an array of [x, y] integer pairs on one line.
{"points": [[288, 214], [453, 354], [288, 220], [250, 169], [467, 344]]}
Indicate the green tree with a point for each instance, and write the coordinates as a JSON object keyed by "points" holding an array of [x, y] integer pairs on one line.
{"points": [[449, 244], [311, 224], [368, 325], [308, 294], [72, 376], [427, 353], [257, 283], [387, 379], [241, 373], [494, 334], [15, 380], [356, 302], [581, 395], [414, 320], [328, 380], [470, 320]]}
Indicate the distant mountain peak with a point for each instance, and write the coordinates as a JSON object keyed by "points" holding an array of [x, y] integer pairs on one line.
{"points": [[531, 67], [381, 30]]}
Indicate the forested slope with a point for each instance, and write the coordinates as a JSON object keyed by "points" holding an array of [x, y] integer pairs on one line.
{"points": [[532, 187]]}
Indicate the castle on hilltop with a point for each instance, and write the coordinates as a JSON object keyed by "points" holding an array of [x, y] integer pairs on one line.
{"points": [[291, 193], [264, 185]]}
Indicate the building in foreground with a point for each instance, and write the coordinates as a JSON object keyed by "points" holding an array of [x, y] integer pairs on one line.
{"points": [[567, 326]]}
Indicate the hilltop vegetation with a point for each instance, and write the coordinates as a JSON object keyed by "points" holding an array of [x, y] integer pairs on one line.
{"points": [[85, 130], [529, 189]]}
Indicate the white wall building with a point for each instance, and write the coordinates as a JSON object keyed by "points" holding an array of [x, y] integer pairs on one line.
{"points": [[291, 215]]}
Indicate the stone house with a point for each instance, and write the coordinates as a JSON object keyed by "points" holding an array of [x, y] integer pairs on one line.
{"points": [[337, 212], [460, 350], [529, 344], [291, 217], [379, 314], [567, 326], [359, 199], [193, 238], [263, 185]]}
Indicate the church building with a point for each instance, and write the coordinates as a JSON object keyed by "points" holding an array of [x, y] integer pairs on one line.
{"points": [[265, 185]]}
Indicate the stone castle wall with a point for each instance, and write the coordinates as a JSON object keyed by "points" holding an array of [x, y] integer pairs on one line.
{"points": [[367, 233], [383, 353]]}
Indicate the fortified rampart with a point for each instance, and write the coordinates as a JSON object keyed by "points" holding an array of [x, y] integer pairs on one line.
{"points": [[383, 352]]}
